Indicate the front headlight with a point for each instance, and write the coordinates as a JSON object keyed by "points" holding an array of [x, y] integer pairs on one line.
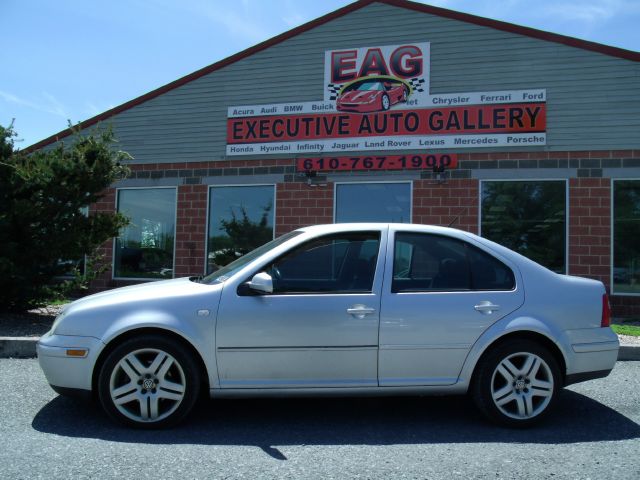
{"points": [[56, 322]]}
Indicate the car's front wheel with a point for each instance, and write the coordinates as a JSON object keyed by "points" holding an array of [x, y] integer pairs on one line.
{"points": [[516, 383], [385, 102], [149, 382]]}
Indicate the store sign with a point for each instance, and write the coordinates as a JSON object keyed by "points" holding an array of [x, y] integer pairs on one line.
{"points": [[358, 70], [378, 99], [379, 162]]}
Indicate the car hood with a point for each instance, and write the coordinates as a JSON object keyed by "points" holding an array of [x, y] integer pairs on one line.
{"points": [[166, 304], [357, 96], [145, 292]]}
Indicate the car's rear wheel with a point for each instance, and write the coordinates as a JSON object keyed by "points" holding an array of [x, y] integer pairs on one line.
{"points": [[149, 382], [385, 102], [516, 383]]}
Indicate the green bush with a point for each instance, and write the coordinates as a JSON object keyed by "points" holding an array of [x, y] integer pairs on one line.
{"points": [[44, 231]]}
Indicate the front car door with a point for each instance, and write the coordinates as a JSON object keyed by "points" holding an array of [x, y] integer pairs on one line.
{"points": [[441, 293], [319, 327]]}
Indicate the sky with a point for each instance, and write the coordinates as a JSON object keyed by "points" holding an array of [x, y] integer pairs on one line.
{"points": [[68, 60]]}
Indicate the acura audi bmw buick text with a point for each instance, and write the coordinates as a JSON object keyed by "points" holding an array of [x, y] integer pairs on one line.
{"points": [[340, 309]]}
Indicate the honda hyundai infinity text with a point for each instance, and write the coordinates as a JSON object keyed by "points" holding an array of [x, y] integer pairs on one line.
{"points": [[340, 309]]}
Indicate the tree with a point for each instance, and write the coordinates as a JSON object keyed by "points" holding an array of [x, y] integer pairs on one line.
{"points": [[43, 228], [528, 217], [242, 236]]}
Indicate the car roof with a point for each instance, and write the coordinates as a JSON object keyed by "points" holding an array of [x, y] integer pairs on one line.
{"points": [[408, 227], [501, 250]]}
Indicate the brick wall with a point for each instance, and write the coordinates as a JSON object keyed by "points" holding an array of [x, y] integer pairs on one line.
{"points": [[625, 306], [299, 205], [590, 228], [441, 204], [191, 230], [106, 204]]}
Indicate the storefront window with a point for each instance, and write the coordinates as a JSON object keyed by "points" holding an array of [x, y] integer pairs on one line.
{"points": [[145, 247], [626, 235], [240, 219], [528, 217], [373, 202]]}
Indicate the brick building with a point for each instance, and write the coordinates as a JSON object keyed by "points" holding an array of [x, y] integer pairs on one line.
{"points": [[388, 111]]}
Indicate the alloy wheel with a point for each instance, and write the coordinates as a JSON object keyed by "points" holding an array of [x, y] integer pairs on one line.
{"points": [[147, 385], [522, 385], [385, 102]]}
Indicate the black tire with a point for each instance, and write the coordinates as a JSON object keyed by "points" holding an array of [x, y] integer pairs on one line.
{"points": [[528, 397], [176, 375], [383, 103]]}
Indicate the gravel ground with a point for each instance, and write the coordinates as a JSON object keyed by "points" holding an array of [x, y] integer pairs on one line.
{"points": [[629, 340], [33, 323], [593, 434]]}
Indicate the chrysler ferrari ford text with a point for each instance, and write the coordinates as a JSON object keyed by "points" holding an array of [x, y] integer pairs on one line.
{"points": [[345, 309]]}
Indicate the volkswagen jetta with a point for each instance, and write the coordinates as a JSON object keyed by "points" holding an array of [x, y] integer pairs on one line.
{"points": [[345, 309]]}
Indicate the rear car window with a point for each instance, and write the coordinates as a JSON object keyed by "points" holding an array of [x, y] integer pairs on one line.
{"points": [[429, 262]]}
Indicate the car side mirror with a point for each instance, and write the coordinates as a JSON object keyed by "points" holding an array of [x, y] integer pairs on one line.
{"points": [[261, 282]]}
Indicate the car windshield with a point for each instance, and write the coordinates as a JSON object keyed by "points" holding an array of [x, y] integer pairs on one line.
{"points": [[368, 86], [232, 268]]}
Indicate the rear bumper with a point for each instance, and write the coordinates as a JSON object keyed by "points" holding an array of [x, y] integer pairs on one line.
{"points": [[593, 354], [596, 346], [583, 377], [66, 373]]}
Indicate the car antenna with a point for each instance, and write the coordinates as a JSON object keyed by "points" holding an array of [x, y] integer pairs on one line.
{"points": [[457, 216]]}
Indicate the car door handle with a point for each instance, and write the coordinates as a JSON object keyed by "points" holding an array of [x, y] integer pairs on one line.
{"points": [[486, 307], [359, 311]]}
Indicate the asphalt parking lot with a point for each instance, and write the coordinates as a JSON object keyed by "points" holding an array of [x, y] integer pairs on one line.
{"points": [[594, 433]]}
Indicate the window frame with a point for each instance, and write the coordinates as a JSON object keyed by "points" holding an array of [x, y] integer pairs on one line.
{"points": [[613, 214], [175, 225], [335, 195], [466, 245], [208, 212], [537, 179], [263, 267]]}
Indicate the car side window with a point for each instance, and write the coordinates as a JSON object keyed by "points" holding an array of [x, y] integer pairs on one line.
{"points": [[341, 263], [489, 273], [425, 262], [428, 262]]}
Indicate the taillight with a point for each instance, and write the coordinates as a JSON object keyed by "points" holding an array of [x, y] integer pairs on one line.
{"points": [[606, 312]]}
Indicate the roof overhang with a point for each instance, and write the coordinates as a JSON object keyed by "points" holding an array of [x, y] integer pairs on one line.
{"points": [[418, 7]]}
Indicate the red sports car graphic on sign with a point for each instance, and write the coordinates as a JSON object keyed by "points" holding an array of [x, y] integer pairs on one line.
{"points": [[372, 94]]}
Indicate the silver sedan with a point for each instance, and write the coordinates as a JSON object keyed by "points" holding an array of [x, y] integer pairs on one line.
{"points": [[344, 309]]}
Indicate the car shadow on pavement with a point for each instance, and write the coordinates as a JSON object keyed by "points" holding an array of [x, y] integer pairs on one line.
{"points": [[266, 423]]}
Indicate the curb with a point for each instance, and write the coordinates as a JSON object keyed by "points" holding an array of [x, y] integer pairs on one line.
{"points": [[18, 347], [629, 352], [25, 347]]}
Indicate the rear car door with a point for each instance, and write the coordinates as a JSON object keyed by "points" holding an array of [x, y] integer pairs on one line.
{"points": [[440, 294]]}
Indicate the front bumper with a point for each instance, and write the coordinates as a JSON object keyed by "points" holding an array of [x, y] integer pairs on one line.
{"points": [[357, 107], [63, 372]]}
